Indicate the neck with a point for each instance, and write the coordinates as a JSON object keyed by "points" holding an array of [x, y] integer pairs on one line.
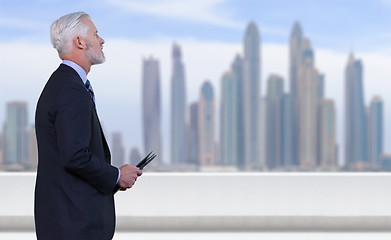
{"points": [[82, 62]]}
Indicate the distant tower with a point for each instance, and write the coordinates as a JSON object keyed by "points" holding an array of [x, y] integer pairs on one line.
{"points": [[237, 69], [16, 135], [193, 138], [308, 106], [178, 105], [251, 96], [385, 162], [32, 149], [117, 149], [274, 97], [151, 107], [295, 56], [355, 123], [327, 121], [375, 132], [1, 148], [287, 125], [135, 156], [206, 126], [320, 97], [228, 120]]}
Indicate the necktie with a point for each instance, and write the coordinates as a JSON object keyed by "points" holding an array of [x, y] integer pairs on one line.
{"points": [[90, 90]]}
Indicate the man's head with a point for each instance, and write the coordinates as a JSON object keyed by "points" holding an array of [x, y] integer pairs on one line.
{"points": [[75, 35]]}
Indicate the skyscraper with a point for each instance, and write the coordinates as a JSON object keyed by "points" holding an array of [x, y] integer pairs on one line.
{"points": [[206, 126], [295, 56], [262, 133], [327, 150], [308, 105], [274, 97], [355, 123], [134, 156], [193, 138], [320, 97], [385, 160], [320, 86], [178, 105], [228, 118], [375, 132], [32, 149], [1, 149], [237, 69], [16, 135], [117, 150], [251, 96], [151, 107], [287, 126]]}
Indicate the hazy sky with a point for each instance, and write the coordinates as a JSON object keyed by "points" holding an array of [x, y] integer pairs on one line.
{"points": [[337, 24], [210, 34]]}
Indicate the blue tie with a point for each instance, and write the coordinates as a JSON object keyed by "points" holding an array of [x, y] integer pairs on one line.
{"points": [[89, 88]]}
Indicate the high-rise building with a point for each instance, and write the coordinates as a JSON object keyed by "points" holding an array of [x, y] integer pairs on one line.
{"points": [[251, 96], [295, 61], [320, 97], [16, 135], [375, 132], [237, 69], [193, 139], [287, 126], [385, 160], [355, 117], [308, 105], [327, 150], [1, 149], [228, 118], [262, 133], [206, 126], [134, 156], [151, 108], [320, 86], [32, 149], [178, 108], [274, 97], [117, 150]]}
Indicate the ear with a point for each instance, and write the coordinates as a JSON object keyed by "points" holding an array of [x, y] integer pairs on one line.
{"points": [[79, 42]]}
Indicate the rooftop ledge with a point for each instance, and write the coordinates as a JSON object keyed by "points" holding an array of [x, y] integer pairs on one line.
{"points": [[230, 202]]}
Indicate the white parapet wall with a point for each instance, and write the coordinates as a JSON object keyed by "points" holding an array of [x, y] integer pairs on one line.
{"points": [[230, 202]]}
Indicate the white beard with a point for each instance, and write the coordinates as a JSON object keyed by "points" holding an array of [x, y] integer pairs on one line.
{"points": [[95, 58]]}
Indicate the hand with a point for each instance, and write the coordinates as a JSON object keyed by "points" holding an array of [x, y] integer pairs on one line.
{"points": [[129, 175]]}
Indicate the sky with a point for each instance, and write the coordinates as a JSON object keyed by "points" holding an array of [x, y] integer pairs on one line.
{"points": [[210, 33]]}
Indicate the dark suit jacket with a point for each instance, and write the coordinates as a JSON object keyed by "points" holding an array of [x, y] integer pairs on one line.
{"points": [[75, 180]]}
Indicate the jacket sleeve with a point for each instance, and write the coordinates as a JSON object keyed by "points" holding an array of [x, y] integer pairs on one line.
{"points": [[73, 129]]}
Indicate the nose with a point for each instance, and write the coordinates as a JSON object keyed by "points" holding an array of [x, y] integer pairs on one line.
{"points": [[101, 40]]}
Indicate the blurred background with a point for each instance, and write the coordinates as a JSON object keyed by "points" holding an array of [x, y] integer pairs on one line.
{"points": [[215, 85]]}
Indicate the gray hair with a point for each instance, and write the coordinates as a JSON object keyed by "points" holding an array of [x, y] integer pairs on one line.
{"points": [[64, 29]]}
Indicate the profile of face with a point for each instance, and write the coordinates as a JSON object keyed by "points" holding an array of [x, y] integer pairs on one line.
{"points": [[94, 44]]}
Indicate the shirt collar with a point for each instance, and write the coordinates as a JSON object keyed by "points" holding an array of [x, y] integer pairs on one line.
{"points": [[77, 68]]}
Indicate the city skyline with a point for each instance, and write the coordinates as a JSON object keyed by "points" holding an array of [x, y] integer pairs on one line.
{"points": [[314, 129], [199, 53]]}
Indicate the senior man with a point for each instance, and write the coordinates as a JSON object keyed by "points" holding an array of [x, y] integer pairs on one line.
{"points": [[75, 179]]}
